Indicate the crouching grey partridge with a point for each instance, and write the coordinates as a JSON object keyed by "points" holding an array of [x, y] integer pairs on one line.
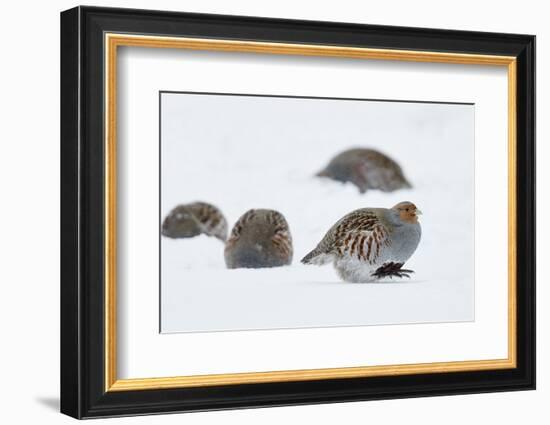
{"points": [[189, 220], [260, 238], [366, 169], [370, 243]]}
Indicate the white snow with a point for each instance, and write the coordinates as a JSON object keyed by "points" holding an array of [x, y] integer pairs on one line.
{"points": [[241, 152]]}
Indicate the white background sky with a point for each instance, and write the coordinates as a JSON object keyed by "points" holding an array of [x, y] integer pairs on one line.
{"points": [[242, 152]]}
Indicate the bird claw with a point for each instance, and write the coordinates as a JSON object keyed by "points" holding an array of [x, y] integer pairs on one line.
{"points": [[392, 270]]}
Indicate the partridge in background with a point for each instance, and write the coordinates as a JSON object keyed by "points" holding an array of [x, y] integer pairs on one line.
{"points": [[260, 238], [366, 169], [187, 221], [370, 243]]}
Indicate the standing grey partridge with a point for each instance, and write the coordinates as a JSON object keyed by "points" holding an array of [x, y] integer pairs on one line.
{"points": [[370, 243], [189, 220], [366, 169], [260, 238]]}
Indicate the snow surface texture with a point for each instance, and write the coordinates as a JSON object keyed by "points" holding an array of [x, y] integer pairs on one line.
{"points": [[242, 152]]}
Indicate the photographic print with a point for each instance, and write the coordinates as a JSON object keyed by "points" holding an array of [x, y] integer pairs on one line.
{"points": [[282, 212], [260, 212]]}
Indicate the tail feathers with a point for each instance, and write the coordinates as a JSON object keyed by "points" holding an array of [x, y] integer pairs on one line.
{"points": [[317, 257]]}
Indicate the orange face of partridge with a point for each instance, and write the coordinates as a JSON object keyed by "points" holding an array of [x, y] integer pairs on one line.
{"points": [[407, 212]]}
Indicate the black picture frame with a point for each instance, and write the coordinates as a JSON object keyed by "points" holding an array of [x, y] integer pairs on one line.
{"points": [[83, 392]]}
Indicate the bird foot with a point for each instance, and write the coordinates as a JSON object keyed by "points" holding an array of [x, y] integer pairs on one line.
{"points": [[392, 270]]}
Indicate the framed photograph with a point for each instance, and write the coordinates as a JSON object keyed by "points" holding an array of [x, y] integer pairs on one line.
{"points": [[261, 212]]}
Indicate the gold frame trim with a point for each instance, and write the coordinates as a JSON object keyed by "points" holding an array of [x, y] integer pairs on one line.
{"points": [[113, 41]]}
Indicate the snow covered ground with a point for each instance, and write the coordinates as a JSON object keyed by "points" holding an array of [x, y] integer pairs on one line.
{"points": [[241, 152]]}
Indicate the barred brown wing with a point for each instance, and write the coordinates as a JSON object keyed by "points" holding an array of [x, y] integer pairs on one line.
{"points": [[360, 234]]}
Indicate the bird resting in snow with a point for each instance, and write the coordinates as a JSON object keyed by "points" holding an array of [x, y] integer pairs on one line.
{"points": [[370, 243], [189, 220], [260, 238], [366, 169]]}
